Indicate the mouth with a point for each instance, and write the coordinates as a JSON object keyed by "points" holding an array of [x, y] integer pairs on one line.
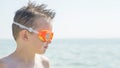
{"points": [[45, 47]]}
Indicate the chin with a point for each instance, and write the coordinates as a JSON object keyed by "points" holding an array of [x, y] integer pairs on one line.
{"points": [[41, 52]]}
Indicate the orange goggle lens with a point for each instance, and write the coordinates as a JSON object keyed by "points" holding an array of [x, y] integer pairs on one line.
{"points": [[45, 35]]}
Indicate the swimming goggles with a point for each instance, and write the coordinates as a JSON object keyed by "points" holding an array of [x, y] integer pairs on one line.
{"points": [[44, 35]]}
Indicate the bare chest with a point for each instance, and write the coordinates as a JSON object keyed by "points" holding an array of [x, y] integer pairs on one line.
{"points": [[21, 65]]}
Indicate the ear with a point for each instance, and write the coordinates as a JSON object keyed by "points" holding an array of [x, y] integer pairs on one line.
{"points": [[24, 35]]}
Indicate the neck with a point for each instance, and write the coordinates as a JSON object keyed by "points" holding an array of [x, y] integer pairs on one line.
{"points": [[24, 54]]}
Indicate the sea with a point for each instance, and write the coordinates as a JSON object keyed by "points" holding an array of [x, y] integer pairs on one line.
{"points": [[76, 53]]}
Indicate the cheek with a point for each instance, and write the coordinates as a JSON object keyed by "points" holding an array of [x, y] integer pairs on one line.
{"points": [[39, 44], [36, 42]]}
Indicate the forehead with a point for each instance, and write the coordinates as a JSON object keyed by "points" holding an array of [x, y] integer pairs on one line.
{"points": [[43, 24]]}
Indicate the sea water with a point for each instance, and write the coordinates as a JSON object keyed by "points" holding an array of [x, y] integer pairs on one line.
{"points": [[76, 53]]}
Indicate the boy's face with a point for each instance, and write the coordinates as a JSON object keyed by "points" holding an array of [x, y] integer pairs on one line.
{"points": [[40, 46]]}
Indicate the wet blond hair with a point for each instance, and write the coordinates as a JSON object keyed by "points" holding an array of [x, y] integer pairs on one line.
{"points": [[27, 15]]}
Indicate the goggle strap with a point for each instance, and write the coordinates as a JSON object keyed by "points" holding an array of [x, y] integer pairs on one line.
{"points": [[24, 27]]}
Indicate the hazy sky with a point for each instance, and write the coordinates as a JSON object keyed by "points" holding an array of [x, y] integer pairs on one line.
{"points": [[74, 18]]}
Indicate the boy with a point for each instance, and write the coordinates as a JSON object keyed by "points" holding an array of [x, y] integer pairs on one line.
{"points": [[32, 31]]}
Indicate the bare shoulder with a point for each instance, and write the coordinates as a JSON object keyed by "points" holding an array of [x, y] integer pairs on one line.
{"points": [[44, 58], [2, 64], [45, 61]]}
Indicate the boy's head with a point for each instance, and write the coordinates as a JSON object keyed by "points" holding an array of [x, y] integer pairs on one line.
{"points": [[32, 26], [28, 15]]}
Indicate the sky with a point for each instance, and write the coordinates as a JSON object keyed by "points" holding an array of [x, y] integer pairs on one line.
{"points": [[74, 18]]}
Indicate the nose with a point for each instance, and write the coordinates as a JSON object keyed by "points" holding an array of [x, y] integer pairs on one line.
{"points": [[49, 42]]}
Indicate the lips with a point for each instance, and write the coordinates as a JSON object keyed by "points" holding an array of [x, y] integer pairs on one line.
{"points": [[45, 47]]}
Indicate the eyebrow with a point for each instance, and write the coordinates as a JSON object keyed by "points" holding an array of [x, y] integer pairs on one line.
{"points": [[24, 27]]}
